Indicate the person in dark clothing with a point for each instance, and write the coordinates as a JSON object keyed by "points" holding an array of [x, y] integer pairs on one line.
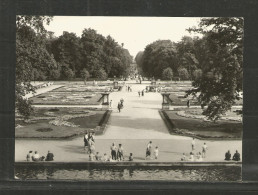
{"points": [[113, 151], [142, 92], [50, 156], [119, 107], [228, 155], [236, 156], [188, 103]]}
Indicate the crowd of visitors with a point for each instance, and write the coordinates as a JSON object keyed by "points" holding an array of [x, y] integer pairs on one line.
{"points": [[37, 157]]}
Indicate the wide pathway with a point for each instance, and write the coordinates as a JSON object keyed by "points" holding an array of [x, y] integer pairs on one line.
{"points": [[137, 124]]}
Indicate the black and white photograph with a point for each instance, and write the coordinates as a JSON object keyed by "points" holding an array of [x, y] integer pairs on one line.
{"points": [[128, 98]]}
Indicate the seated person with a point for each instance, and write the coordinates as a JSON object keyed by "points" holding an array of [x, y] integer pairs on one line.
{"points": [[50, 156], [183, 158], [131, 157], [36, 156], [29, 156], [97, 156], [228, 155], [191, 158], [92, 157], [199, 157], [236, 156], [105, 158]]}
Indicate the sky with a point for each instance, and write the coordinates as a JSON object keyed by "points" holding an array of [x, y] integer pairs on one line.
{"points": [[134, 32]]}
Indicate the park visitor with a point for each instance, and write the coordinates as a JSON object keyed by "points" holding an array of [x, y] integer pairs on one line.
{"points": [[183, 157], [119, 107], [105, 158], [193, 144], [139, 93], [122, 102], [86, 142], [199, 156], [113, 151], [188, 103], [91, 146], [156, 152], [142, 92], [97, 156], [204, 150], [191, 158], [228, 155], [91, 157], [110, 104], [120, 153], [236, 156], [91, 136], [37, 157], [131, 157], [29, 156], [50, 156], [148, 150]]}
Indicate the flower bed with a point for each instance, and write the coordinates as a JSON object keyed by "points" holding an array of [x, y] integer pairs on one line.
{"points": [[67, 98], [66, 122]]}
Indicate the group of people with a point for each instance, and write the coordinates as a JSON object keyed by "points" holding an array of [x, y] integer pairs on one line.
{"points": [[37, 157], [89, 142], [149, 151], [236, 156], [199, 155], [141, 93], [128, 88]]}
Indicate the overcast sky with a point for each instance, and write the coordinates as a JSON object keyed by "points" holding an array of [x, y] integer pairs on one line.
{"points": [[135, 32]]}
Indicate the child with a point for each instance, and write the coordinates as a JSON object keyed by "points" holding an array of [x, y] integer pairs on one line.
{"points": [[156, 152], [191, 158], [97, 157], [92, 157], [131, 157], [105, 158], [199, 157]]}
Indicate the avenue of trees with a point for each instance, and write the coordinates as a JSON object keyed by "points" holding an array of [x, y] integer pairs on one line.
{"points": [[214, 63], [42, 56]]}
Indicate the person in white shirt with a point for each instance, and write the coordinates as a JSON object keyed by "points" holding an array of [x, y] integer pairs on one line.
{"points": [[36, 156], [156, 152], [204, 150]]}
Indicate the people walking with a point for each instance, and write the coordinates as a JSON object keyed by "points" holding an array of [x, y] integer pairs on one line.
{"points": [[148, 150], [119, 107]]}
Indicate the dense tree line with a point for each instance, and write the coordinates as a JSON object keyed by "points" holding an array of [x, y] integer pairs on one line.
{"points": [[42, 56], [213, 62]]}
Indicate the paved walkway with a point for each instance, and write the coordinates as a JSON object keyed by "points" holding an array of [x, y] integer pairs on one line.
{"points": [[137, 124]]}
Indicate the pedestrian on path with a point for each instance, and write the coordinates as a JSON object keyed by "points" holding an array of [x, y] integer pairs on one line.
{"points": [[188, 104], [142, 92], [113, 151], [193, 144], [119, 107], [139, 93], [148, 150], [110, 104], [204, 150], [86, 141]]}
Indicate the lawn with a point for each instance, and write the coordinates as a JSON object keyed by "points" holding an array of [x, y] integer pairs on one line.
{"points": [[58, 122], [203, 129], [67, 98]]}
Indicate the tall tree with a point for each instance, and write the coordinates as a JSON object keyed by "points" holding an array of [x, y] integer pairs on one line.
{"points": [[31, 54], [221, 81]]}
